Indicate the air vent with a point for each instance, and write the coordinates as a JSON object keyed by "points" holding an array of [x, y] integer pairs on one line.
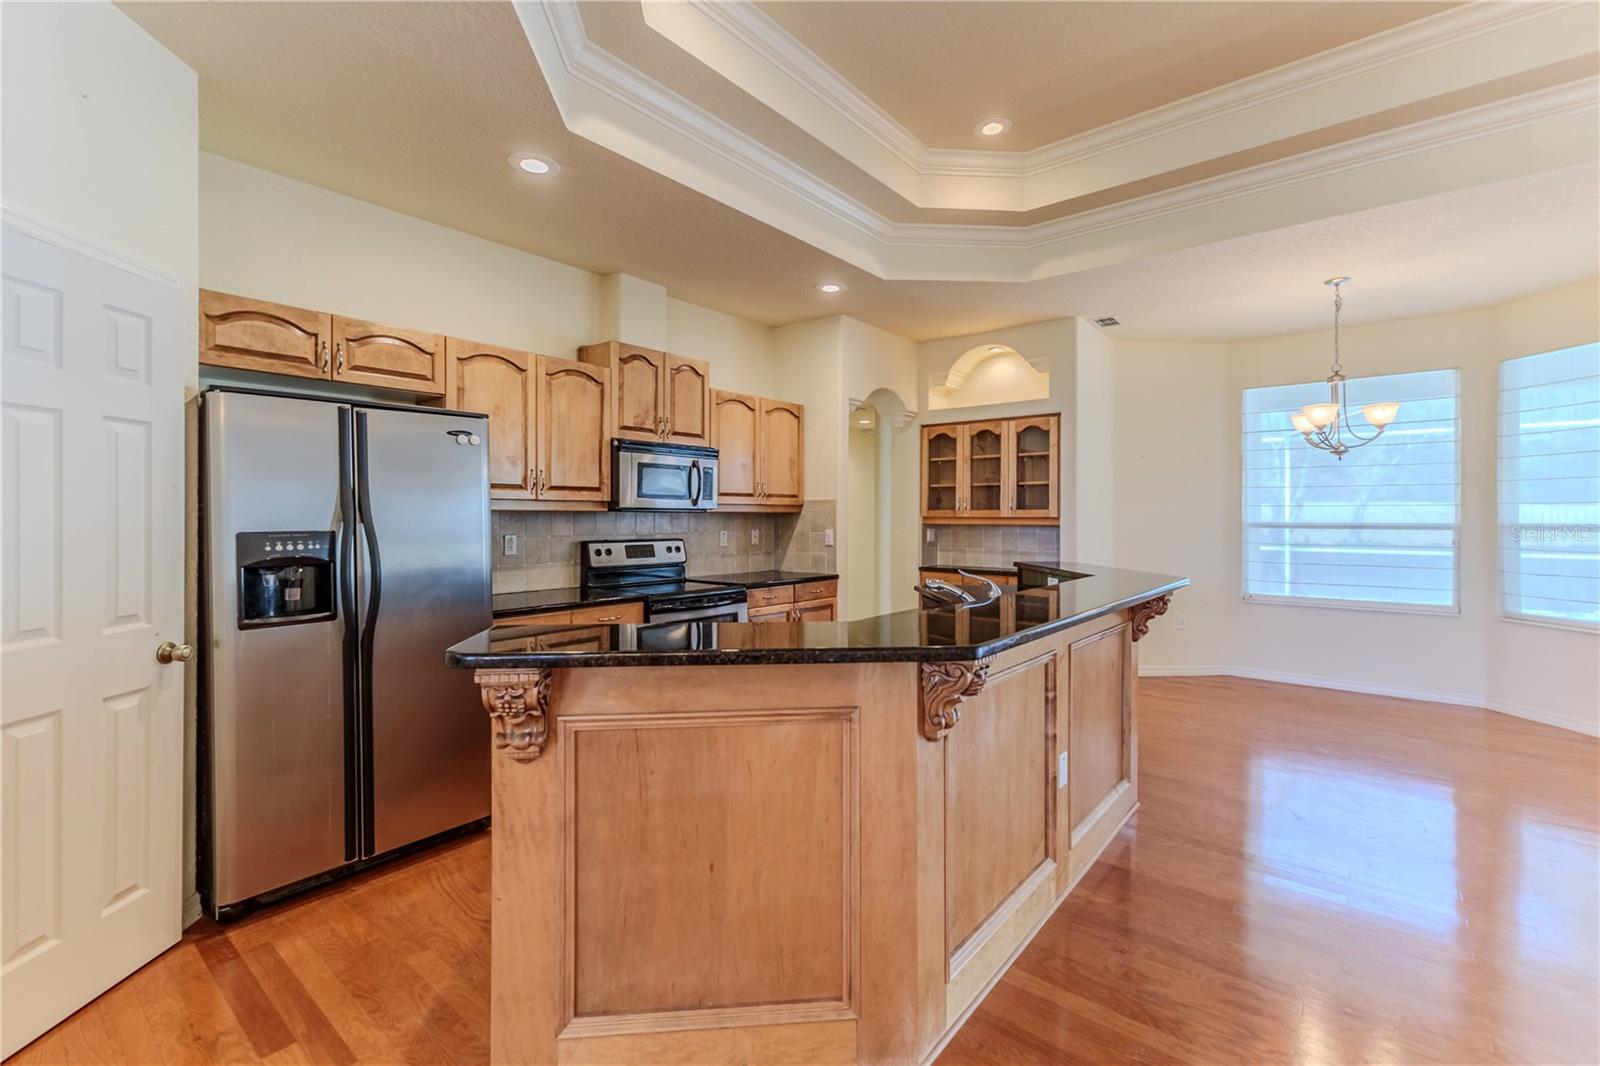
{"points": [[1107, 321]]}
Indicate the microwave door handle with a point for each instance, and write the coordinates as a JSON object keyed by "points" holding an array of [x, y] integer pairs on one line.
{"points": [[697, 478]]}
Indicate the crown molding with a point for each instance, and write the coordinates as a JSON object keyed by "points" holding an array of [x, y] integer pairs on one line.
{"points": [[614, 105], [1455, 49]]}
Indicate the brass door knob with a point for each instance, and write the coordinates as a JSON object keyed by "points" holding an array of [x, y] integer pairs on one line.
{"points": [[174, 653]]}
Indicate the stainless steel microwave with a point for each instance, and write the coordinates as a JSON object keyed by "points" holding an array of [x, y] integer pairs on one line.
{"points": [[646, 476]]}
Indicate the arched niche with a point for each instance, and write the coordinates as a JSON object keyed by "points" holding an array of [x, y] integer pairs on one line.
{"points": [[989, 374]]}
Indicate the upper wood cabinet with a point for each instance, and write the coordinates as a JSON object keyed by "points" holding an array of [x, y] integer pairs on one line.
{"points": [[760, 451], [658, 396], [246, 334], [780, 454], [365, 353], [549, 421], [574, 421], [993, 471], [735, 419], [497, 382]]}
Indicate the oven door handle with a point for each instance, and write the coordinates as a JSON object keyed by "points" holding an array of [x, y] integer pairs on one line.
{"points": [[697, 479]]}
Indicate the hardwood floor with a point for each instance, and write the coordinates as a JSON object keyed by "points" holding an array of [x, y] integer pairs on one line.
{"points": [[1313, 877]]}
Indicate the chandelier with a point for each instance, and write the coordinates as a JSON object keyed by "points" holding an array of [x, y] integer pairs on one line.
{"points": [[1327, 426]]}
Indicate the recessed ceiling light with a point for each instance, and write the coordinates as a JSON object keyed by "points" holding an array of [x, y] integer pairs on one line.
{"points": [[993, 127], [996, 349], [534, 164], [830, 287]]}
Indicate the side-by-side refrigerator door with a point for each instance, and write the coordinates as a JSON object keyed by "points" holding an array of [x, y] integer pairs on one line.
{"points": [[422, 491], [279, 806]]}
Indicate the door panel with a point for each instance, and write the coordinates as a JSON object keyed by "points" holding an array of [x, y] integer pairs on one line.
{"points": [[251, 334], [91, 727], [277, 806], [1033, 467], [941, 446], [638, 381], [497, 382], [780, 446], [574, 444], [735, 421], [983, 469], [430, 516], [386, 357], [688, 400]]}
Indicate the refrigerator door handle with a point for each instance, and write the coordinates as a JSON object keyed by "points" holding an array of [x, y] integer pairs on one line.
{"points": [[369, 618], [347, 569]]}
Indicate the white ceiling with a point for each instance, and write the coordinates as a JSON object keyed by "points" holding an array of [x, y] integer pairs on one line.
{"points": [[415, 106]]}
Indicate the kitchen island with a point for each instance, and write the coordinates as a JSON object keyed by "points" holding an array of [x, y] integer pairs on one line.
{"points": [[800, 842]]}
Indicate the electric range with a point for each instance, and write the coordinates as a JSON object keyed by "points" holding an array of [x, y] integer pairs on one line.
{"points": [[657, 570]]}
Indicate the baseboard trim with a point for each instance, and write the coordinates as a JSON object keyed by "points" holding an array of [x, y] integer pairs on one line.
{"points": [[1460, 699], [191, 910]]}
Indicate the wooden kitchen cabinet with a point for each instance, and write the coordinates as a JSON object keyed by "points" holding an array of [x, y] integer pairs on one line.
{"points": [[658, 396], [573, 457], [388, 357], [735, 427], [760, 452], [992, 472], [549, 422], [497, 382], [246, 334], [807, 601], [631, 612]]}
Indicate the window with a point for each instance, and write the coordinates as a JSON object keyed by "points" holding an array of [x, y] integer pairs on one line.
{"points": [[1375, 529], [1550, 486]]}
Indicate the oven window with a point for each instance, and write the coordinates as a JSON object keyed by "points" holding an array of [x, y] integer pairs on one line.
{"points": [[662, 481]]}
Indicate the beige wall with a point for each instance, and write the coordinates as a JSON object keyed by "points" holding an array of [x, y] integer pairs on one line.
{"points": [[1177, 510]]}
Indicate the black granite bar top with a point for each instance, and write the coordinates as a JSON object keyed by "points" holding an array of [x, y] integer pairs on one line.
{"points": [[991, 567], [942, 634], [556, 599], [760, 579]]}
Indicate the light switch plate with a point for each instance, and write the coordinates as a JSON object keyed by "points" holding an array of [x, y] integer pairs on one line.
{"points": [[723, 539], [508, 544], [1061, 771], [827, 538]]}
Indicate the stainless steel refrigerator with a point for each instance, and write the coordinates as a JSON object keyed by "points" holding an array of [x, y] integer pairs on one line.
{"points": [[345, 546]]}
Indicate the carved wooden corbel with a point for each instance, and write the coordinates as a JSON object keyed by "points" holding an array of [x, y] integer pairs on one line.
{"points": [[517, 701], [1146, 612], [944, 686]]}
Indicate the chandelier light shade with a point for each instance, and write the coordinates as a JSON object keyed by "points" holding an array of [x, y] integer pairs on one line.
{"points": [[1327, 426]]}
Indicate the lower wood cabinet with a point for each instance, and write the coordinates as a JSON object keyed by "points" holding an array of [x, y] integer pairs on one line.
{"points": [[549, 421], [600, 614], [808, 601]]}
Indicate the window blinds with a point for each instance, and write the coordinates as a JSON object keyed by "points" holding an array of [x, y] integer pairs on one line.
{"points": [[1550, 485], [1376, 528]]}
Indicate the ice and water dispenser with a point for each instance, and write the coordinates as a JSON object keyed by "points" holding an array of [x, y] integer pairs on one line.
{"points": [[285, 577]]}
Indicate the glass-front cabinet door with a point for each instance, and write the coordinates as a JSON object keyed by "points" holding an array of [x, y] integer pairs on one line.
{"points": [[1034, 469], [941, 446], [983, 465]]}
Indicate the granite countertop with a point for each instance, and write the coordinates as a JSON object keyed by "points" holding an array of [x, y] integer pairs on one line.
{"points": [[556, 599], [939, 634], [992, 566], [571, 596]]}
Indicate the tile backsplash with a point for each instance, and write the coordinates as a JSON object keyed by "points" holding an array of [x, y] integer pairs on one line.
{"points": [[990, 545], [547, 542]]}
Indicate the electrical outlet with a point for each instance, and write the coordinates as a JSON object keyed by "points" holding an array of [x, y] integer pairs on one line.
{"points": [[827, 538], [508, 544], [723, 538], [1183, 621], [755, 536], [928, 535], [1061, 771]]}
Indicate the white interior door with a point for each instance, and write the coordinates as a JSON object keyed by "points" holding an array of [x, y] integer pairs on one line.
{"points": [[91, 727]]}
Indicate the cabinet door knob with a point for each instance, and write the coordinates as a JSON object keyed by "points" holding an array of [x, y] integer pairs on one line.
{"points": [[170, 652], [327, 360], [338, 351]]}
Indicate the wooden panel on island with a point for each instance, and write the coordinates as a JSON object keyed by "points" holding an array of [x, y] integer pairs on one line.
{"points": [[784, 863]]}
